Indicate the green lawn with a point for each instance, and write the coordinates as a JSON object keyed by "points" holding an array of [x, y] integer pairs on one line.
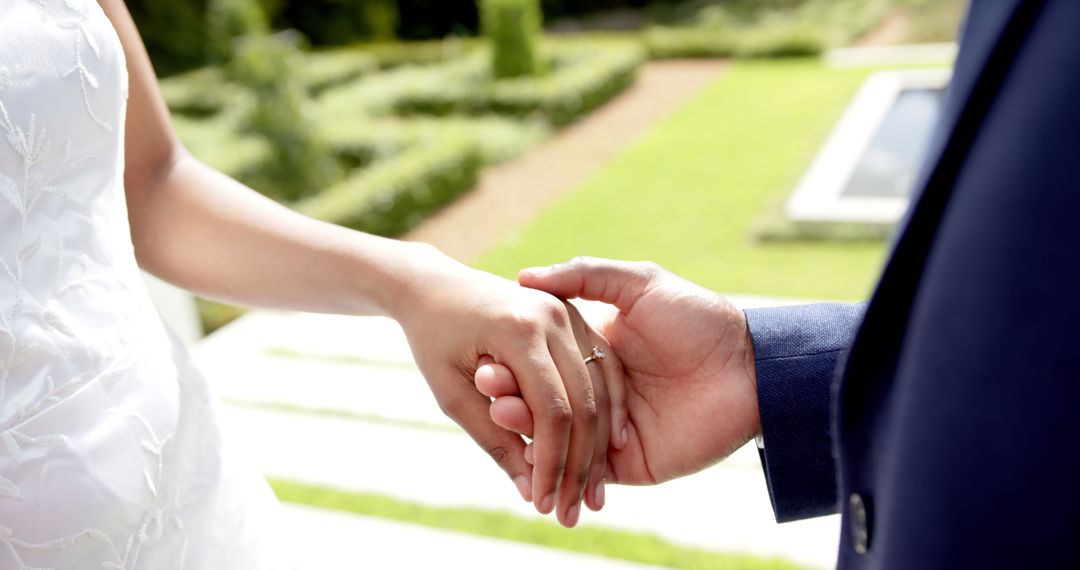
{"points": [[625, 545], [687, 194]]}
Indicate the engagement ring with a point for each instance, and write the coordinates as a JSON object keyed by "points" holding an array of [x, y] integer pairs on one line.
{"points": [[597, 354]]}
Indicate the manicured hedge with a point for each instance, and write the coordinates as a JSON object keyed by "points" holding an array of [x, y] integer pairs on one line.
{"points": [[580, 80], [200, 93], [426, 52], [512, 28], [782, 40], [394, 195], [323, 70], [206, 91], [362, 141], [763, 28], [219, 143], [574, 90], [497, 138], [378, 94]]}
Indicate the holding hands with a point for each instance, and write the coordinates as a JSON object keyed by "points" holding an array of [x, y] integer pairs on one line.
{"points": [[511, 411], [455, 315], [681, 390]]}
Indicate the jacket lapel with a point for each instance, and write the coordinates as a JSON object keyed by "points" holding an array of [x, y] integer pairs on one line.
{"points": [[992, 34]]}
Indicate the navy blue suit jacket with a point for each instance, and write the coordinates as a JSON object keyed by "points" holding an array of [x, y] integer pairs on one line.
{"points": [[950, 437]]}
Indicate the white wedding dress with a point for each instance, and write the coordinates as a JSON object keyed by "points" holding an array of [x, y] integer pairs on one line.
{"points": [[110, 452]]}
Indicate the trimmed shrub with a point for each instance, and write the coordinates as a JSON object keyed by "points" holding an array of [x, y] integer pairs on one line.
{"points": [[763, 28], [219, 143], [778, 40], [784, 40], [227, 20], [582, 78], [381, 19], [379, 94], [207, 91], [364, 141], [512, 28], [498, 139], [323, 70], [430, 52], [677, 43], [200, 93], [284, 115], [395, 195], [360, 142], [572, 91]]}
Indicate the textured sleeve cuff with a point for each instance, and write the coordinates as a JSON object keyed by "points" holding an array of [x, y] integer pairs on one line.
{"points": [[796, 353]]}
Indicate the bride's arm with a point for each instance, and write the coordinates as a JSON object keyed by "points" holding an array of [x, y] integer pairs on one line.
{"points": [[205, 232]]}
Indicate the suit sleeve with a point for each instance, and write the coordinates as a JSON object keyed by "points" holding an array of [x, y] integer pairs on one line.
{"points": [[796, 353]]}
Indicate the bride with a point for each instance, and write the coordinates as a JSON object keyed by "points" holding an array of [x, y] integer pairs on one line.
{"points": [[110, 455]]}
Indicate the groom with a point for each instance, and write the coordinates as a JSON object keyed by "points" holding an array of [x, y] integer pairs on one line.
{"points": [[942, 419]]}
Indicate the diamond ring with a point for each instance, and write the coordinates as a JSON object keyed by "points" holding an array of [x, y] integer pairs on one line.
{"points": [[597, 354]]}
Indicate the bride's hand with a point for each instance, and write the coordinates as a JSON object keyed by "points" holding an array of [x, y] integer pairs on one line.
{"points": [[456, 316], [513, 413]]}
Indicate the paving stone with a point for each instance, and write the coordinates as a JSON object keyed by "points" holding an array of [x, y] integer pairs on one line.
{"points": [[398, 442], [334, 540], [725, 508]]}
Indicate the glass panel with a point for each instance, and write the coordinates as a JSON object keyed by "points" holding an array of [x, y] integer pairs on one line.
{"points": [[895, 154]]}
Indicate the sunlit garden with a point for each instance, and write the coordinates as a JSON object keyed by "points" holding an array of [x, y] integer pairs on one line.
{"points": [[378, 133], [381, 115], [696, 190]]}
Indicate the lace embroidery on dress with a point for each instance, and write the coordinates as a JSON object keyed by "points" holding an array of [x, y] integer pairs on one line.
{"points": [[40, 166], [31, 145], [110, 451], [72, 14]]}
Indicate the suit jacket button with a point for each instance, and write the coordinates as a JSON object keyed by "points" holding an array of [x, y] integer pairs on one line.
{"points": [[858, 522]]}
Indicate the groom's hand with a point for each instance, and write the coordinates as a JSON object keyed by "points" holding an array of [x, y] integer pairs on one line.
{"points": [[688, 359]]}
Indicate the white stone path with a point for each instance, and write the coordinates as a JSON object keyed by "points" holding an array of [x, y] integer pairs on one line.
{"points": [[346, 542], [399, 444]]}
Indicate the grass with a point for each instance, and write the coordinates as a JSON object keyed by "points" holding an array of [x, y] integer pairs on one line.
{"points": [[624, 545], [688, 193]]}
